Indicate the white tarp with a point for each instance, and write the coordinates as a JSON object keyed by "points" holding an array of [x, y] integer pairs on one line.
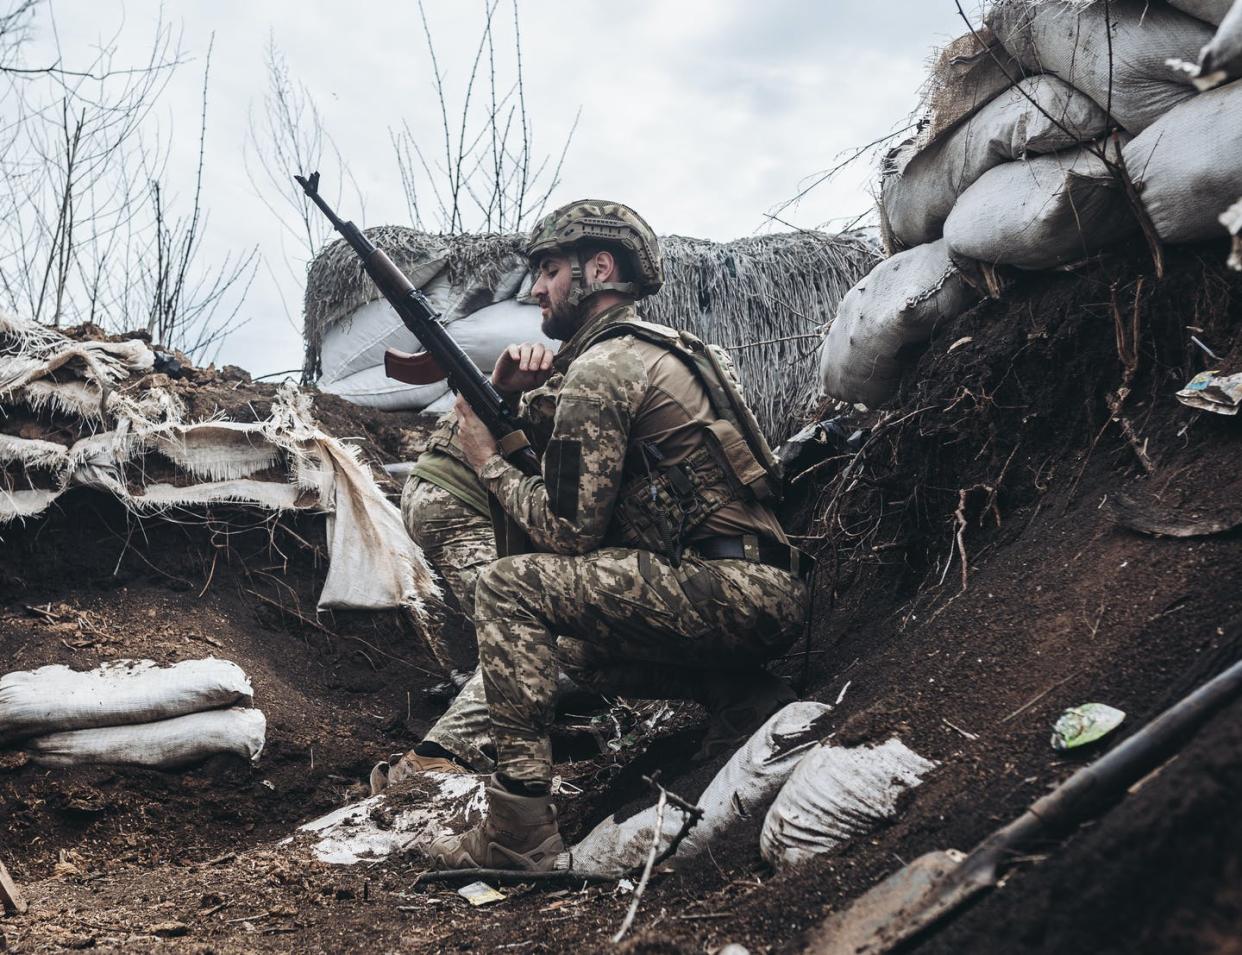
{"points": [[166, 744], [56, 698], [897, 305], [1123, 69], [400, 820], [373, 563], [743, 788], [837, 794], [1041, 114]]}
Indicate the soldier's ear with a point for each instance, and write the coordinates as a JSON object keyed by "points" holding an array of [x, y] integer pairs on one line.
{"points": [[605, 266]]}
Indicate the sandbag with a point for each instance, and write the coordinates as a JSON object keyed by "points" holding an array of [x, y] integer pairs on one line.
{"points": [[1130, 77], [483, 334], [1210, 11], [372, 388], [55, 698], [167, 744], [837, 794], [1041, 114], [1221, 59], [1188, 165], [743, 788], [897, 305], [1040, 213]]}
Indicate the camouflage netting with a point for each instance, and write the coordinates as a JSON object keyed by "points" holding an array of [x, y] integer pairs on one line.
{"points": [[763, 298]]}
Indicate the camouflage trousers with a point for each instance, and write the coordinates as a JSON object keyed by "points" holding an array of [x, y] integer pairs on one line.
{"points": [[630, 623], [460, 543]]}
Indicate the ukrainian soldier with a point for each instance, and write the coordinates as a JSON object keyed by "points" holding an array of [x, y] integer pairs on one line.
{"points": [[661, 562]]}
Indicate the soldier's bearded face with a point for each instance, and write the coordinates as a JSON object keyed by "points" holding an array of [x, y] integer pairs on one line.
{"points": [[551, 289]]}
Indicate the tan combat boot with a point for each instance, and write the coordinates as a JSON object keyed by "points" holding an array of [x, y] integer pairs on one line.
{"points": [[408, 766], [518, 832]]}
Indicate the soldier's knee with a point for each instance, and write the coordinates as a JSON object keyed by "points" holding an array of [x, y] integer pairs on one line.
{"points": [[497, 581]]}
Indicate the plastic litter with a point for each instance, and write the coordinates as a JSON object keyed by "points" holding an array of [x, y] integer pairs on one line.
{"points": [[1082, 725], [835, 795], [480, 893], [1210, 391]]}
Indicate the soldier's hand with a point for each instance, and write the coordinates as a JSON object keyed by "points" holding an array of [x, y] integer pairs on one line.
{"points": [[522, 367], [476, 441]]}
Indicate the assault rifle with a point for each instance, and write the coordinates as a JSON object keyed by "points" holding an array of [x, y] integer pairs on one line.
{"points": [[443, 357]]}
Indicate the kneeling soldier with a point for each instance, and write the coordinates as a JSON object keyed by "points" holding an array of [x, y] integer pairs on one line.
{"points": [[663, 568]]}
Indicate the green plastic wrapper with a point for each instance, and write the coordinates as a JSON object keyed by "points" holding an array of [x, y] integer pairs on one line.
{"points": [[1081, 725]]}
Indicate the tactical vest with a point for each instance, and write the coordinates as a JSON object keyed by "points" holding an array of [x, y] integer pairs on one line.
{"points": [[659, 506]]}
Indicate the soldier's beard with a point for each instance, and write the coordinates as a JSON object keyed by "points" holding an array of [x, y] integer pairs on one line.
{"points": [[562, 320]]}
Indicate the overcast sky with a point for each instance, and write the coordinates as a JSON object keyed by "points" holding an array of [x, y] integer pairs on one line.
{"points": [[702, 115]]}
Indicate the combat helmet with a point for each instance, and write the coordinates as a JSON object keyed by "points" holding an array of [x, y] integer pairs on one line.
{"points": [[610, 224]]}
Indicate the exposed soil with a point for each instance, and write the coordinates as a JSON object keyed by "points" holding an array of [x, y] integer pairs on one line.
{"points": [[1006, 437]]}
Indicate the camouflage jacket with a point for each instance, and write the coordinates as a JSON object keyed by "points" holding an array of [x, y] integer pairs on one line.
{"points": [[602, 401]]}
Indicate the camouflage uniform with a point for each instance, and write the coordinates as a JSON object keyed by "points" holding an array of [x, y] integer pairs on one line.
{"points": [[456, 535], [634, 621]]}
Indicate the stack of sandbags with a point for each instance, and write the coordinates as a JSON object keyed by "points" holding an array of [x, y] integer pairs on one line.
{"points": [[1034, 176], [743, 789], [1044, 213], [1041, 114], [131, 713]]}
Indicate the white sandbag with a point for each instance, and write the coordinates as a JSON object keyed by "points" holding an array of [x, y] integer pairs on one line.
{"points": [[55, 698], [168, 744], [1041, 114], [898, 304], [358, 340], [1221, 60], [1188, 165], [483, 334], [1210, 11], [398, 821], [836, 794], [1130, 77], [1040, 213], [442, 405], [743, 788], [372, 388]]}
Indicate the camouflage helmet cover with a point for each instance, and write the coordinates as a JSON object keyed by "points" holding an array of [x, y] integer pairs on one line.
{"points": [[591, 221]]}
